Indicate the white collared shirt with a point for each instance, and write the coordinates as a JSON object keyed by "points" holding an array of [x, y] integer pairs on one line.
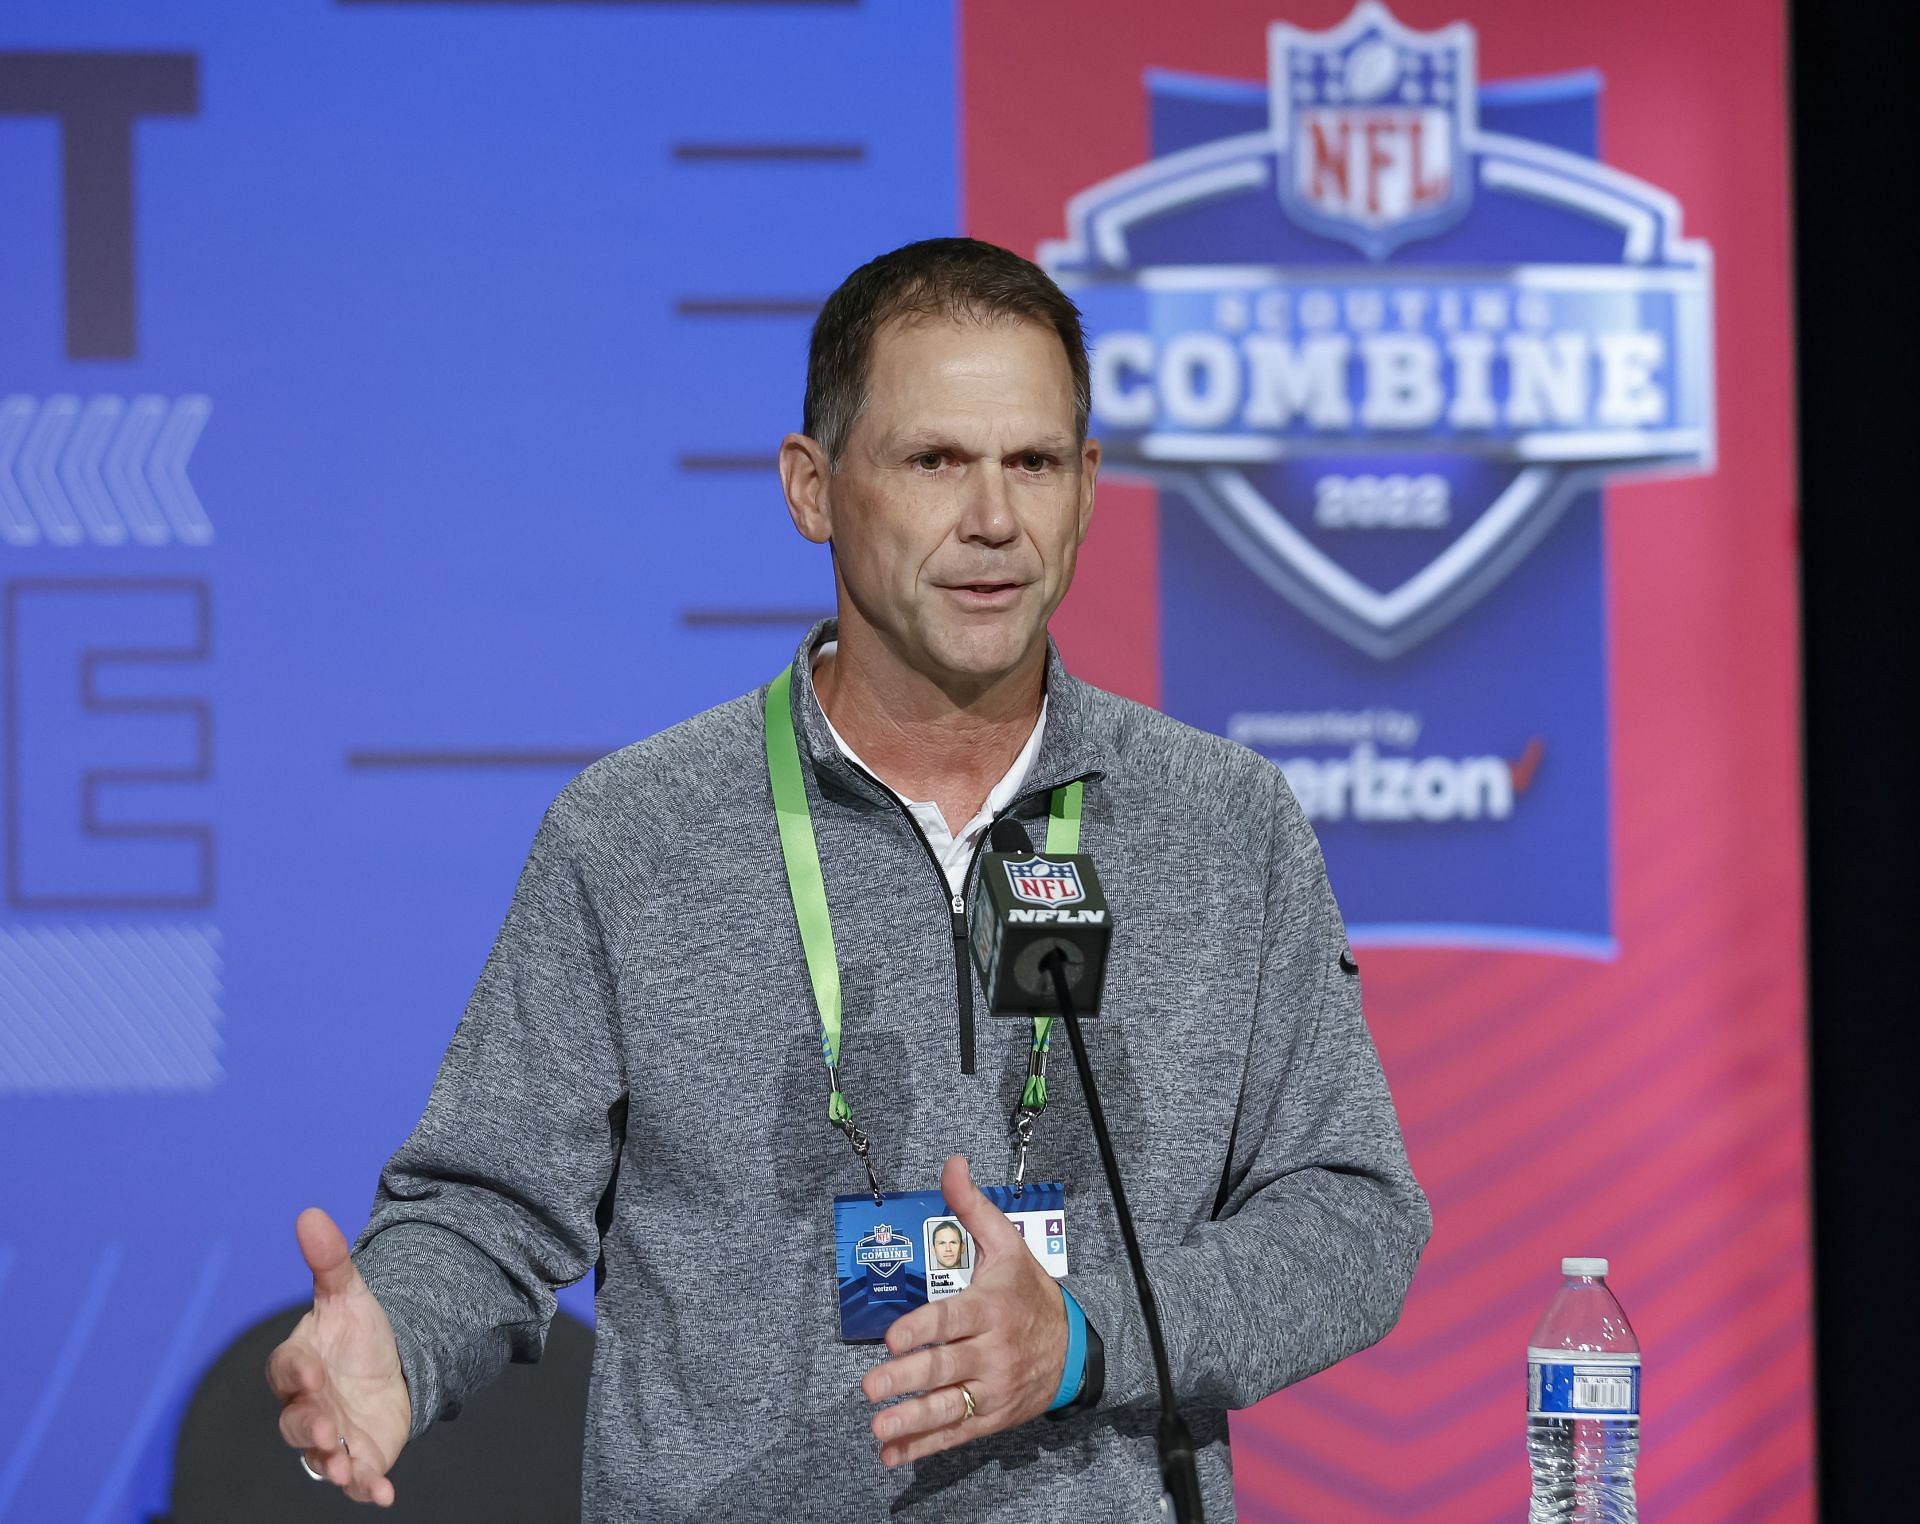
{"points": [[954, 852]]}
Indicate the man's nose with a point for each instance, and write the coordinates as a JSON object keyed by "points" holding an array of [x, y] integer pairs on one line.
{"points": [[987, 516]]}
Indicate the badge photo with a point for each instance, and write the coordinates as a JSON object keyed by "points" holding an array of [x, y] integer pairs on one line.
{"points": [[950, 1254]]}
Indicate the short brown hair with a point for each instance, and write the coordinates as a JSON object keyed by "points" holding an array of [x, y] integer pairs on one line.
{"points": [[936, 277]]}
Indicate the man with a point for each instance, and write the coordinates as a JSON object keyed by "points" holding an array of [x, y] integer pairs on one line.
{"points": [[635, 1088]]}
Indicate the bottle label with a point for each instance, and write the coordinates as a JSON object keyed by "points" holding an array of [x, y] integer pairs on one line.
{"points": [[1583, 1389]]}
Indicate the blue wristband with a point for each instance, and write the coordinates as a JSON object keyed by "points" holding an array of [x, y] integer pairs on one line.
{"points": [[1075, 1370]]}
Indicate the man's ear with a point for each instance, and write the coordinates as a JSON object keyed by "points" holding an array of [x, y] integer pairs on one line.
{"points": [[1089, 479], [804, 475]]}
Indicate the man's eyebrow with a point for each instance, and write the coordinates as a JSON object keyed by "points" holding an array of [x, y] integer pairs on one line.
{"points": [[915, 441], [911, 441]]}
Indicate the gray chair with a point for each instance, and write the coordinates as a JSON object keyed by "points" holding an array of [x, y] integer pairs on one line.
{"points": [[512, 1457]]}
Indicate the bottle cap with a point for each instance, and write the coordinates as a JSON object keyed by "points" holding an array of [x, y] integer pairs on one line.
{"points": [[1583, 1267]]}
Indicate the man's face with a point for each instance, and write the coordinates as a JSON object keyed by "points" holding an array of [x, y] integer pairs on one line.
{"points": [[946, 1248], [962, 496]]}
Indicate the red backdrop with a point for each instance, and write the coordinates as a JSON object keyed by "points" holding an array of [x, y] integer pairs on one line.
{"points": [[1695, 1183]]}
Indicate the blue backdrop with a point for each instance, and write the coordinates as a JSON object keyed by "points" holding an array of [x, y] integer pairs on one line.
{"points": [[388, 394]]}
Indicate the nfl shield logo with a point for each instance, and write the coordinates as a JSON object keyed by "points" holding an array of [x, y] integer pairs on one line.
{"points": [[1043, 883], [1372, 120]]}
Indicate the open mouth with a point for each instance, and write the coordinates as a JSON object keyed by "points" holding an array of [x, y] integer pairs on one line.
{"points": [[985, 595], [986, 585]]}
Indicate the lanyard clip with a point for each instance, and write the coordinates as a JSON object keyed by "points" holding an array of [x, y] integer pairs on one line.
{"points": [[1033, 1101], [863, 1152], [841, 1115], [1023, 1119]]}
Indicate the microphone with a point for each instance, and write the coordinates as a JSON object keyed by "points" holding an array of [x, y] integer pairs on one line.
{"points": [[1028, 908], [1041, 929]]}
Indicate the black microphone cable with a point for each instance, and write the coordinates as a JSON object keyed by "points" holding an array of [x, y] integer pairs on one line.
{"points": [[1179, 1479]]}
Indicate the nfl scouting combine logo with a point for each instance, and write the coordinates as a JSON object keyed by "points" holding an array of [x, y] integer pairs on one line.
{"points": [[1043, 883], [1383, 437], [883, 1251], [1380, 332]]}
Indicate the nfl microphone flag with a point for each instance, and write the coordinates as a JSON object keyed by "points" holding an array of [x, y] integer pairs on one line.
{"points": [[1025, 907]]}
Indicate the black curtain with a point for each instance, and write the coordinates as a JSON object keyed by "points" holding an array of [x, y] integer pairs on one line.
{"points": [[1858, 260]]}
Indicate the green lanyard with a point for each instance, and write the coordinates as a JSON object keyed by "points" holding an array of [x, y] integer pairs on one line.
{"points": [[809, 890]]}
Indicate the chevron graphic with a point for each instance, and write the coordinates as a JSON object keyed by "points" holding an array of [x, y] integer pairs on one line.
{"points": [[109, 471], [99, 1008], [1651, 1110]]}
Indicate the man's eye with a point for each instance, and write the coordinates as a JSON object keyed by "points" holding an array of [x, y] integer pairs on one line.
{"points": [[929, 460], [1033, 460]]}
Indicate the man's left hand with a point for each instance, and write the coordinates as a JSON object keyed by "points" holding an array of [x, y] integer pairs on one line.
{"points": [[1004, 1339]]}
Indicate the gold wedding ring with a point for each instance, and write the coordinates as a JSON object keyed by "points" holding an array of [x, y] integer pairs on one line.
{"points": [[967, 1397]]}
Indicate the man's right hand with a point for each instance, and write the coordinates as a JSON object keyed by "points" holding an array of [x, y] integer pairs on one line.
{"points": [[343, 1396]]}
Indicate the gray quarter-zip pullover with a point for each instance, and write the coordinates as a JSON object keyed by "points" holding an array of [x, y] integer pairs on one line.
{"points": [[636, 1089]]}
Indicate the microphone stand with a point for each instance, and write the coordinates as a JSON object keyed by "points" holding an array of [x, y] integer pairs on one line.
{"points": [[1179, 1481]]}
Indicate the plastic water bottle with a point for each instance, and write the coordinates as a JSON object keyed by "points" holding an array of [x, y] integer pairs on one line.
{"points": [[1583, 1404]]}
